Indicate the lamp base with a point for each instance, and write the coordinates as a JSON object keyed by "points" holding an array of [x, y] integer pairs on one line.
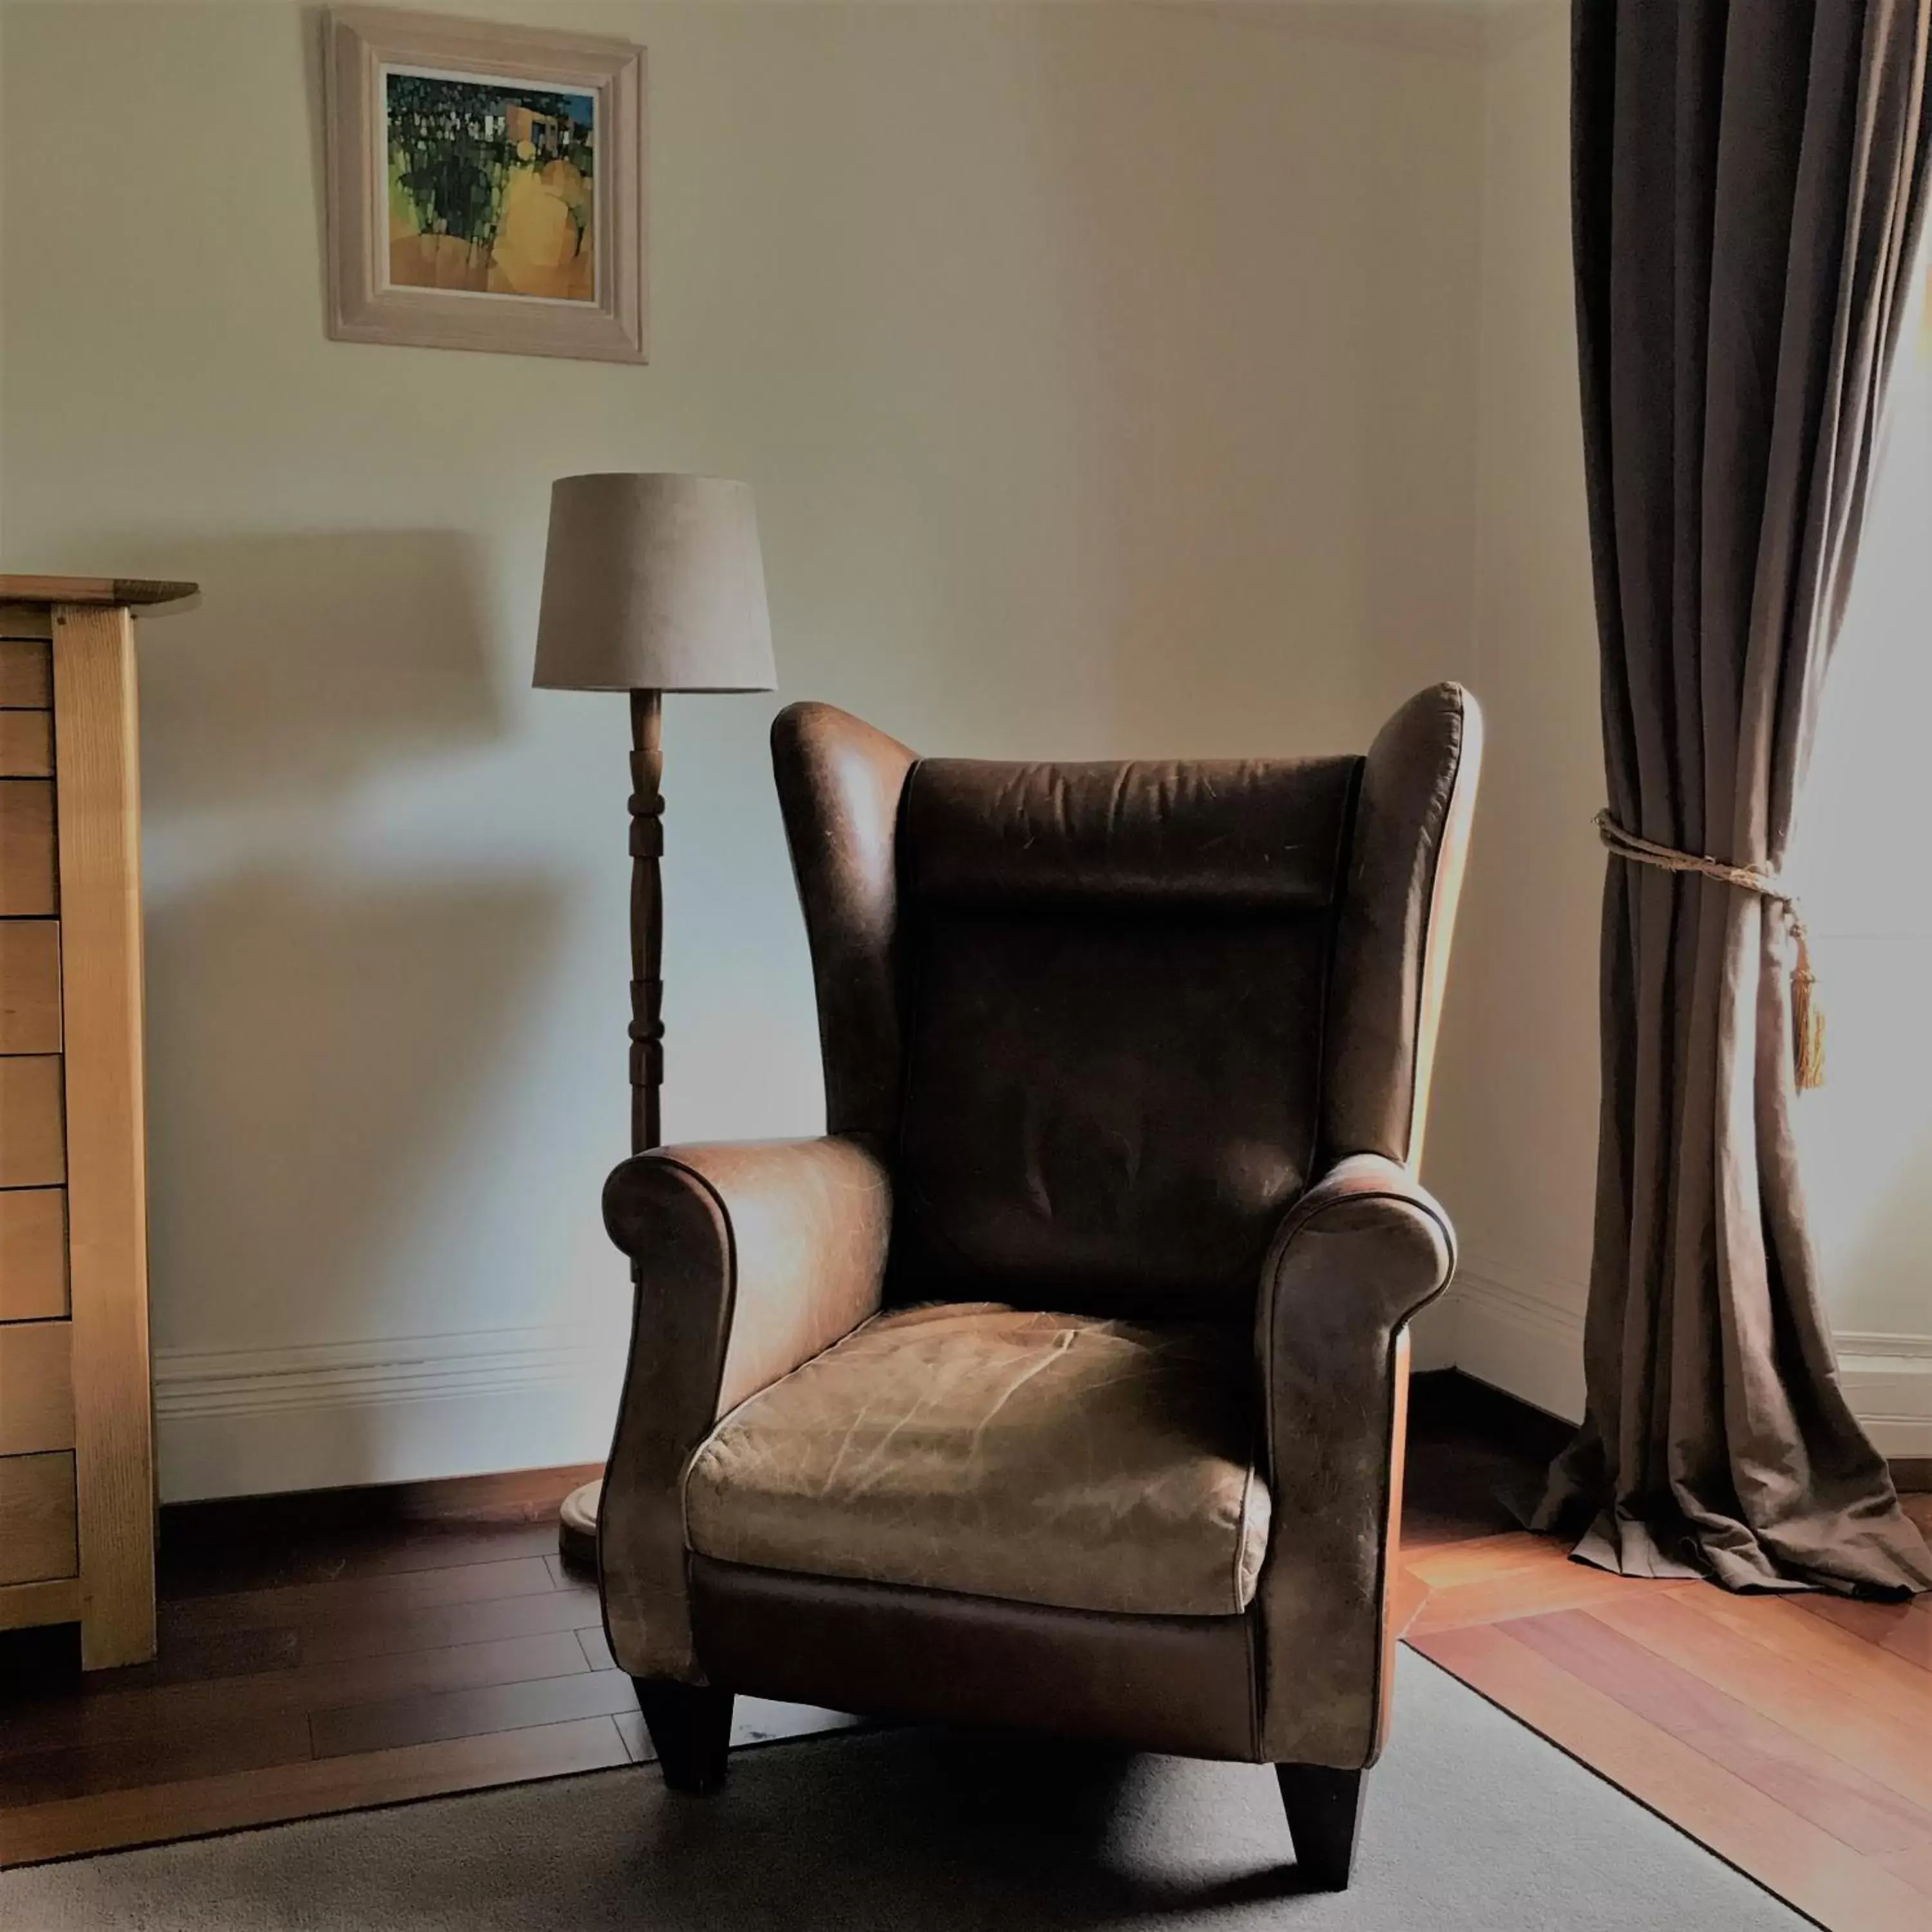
{"points": [[577, 1528]]}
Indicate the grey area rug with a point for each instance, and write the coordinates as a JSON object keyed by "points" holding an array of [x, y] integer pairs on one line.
{"points": [[1473, 1821]]}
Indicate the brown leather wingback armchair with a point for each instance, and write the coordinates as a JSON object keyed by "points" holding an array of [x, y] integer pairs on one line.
{"points": [[1060, 1385]]}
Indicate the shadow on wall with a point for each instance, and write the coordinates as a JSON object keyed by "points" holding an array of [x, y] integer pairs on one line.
{"points": [[315, 1053], [312, 661], [319, 1030]]}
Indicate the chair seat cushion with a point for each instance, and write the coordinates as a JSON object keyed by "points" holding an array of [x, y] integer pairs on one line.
{"points": [[1046, 1458]]}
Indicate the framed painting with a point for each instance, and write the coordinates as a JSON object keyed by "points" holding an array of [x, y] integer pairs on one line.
{"points": [[486, 186]]}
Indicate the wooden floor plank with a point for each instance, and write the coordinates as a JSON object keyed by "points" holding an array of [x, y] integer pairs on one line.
{"points": [[1807, 1778], [1408, 1593], [462, 1713], [67, 1827], [1479, 1558], [1467, 1447], [1894, 1746], [444, 1624], [596, 1648], [125, 1715], [1855, 1668], [1815, 1871], [298, 1606], [196, 1569], [75, 1771], [1561, 1586], [187, 1657], [1424, 1529], [311, 1536], [1914, 1867], [1905, 1630]]}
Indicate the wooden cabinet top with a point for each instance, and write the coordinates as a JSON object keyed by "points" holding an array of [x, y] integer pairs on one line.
{"points": [[92, 590]]}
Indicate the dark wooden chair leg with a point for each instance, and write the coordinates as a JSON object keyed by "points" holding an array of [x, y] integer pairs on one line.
{"points": [[691, 1726], [1324, 1814]]}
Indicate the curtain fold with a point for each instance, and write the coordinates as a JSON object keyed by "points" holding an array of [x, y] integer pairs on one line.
{"points": [[1751, 180]]}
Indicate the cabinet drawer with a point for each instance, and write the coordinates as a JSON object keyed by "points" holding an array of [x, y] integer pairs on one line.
{"points": [[36, 1386], [26, 620], [33, 1153], [26, 670], [26, 744], [30, 993], [36, 1518], [33, 1254], [27, 888]]}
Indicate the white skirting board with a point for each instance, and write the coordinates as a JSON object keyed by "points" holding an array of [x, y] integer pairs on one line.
{"points": [[256, 1422], [1887, 1379], [1522, 1335], [252, 1422], [1526, 1335]]}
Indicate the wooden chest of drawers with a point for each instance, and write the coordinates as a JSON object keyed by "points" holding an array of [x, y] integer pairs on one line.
{"points": [[77, 1432]]}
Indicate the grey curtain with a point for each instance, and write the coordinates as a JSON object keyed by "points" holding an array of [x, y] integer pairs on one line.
{"points": [[1750, 185]]}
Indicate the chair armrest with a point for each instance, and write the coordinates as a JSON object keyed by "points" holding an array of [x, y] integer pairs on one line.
{"points": [[1386, 1232], [794, 1231], [1353, 1260], [749, 1259]]}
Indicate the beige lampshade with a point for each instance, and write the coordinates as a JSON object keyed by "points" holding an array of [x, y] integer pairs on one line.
{"points": [[653, 583]]}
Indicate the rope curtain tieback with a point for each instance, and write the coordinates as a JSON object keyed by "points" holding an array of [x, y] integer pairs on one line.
{"points": [[1807, 1015]]}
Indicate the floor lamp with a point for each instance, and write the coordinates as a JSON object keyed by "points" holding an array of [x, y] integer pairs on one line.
{"points": [[651, 583]]}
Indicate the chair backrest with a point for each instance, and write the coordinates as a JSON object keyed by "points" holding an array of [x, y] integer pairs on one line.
{"points": [[1106, 1021]]}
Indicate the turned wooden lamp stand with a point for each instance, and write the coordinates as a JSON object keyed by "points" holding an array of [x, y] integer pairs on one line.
{"points": [[646, 918], [651, 583]]}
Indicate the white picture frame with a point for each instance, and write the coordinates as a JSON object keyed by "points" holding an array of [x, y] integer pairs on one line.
{"points": [[582, 293]]}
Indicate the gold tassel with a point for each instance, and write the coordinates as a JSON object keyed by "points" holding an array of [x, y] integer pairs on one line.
{"points": [[1807, 1017]]}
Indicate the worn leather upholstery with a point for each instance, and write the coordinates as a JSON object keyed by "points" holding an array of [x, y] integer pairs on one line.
{"points": [[1098, 960], [750, 1260], [1357, 1256], [1165, 1684], [1410, 841], [1047, 1459], [1224, 832], [1132, 1044], [843, 780]]}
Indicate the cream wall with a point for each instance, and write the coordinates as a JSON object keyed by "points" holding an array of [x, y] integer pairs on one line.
{"points": [[1107, 378], [1866, 1135], [1513, 1145]]}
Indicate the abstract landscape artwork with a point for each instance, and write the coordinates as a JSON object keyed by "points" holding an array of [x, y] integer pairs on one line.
{"points": [[486, 186], [492, 186]]}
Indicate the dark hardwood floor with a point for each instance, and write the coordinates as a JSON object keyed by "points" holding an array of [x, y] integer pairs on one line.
{"points": [[319, 1653], [322, 1653]]}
